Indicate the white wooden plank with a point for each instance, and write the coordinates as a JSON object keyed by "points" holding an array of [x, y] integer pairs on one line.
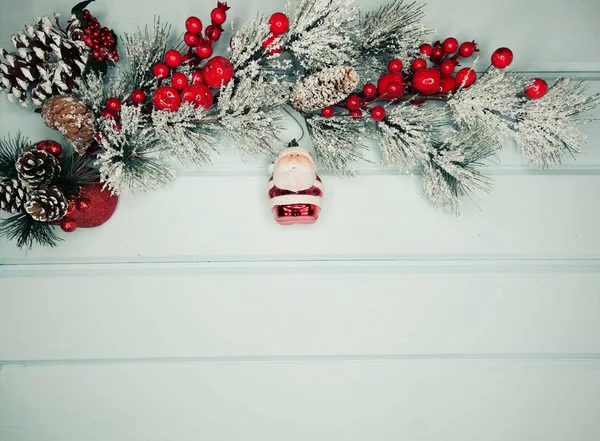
{"points": [[419, 401], [298, 312]]}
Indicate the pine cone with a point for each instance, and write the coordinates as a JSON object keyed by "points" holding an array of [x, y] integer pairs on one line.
{"points": [[324, 88], [48, 61], [12, 195], [71, 117], [37, 167], [47, 204]]}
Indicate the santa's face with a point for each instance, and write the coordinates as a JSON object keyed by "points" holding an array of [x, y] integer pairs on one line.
{"points": [[294, 172]]}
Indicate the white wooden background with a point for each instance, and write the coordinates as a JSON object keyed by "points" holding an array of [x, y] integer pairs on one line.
{"points": [[190, 318]]}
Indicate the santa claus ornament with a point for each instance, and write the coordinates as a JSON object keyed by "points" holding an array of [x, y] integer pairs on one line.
{"points": [[295, 190]]}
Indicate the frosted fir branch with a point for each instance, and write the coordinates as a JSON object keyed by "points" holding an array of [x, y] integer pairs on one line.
{"points": [[338, 141], [93, 93], [131, 152], [437, 191], [185, 133], [548, 128], [245, 46], [321, 33]]}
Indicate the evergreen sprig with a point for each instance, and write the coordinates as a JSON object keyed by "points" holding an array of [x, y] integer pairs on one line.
{"points": [[28, 231], [10, 150]]}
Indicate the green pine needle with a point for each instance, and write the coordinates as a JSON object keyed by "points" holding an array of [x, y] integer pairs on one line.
{"points": [[10, 150], [28, 231]]}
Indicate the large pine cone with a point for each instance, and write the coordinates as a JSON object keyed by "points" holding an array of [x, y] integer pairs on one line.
{"points": [[37, 167], [47, 204], [71, 117], [324, 88], [12, 195]]}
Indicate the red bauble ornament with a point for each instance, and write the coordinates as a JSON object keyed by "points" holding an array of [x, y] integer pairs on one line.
{"points": [[418, 64], [356, 113], [197, 77], [465, 77], [191, 39], [101, 207], [369, 90], [68, 225], [437, 54], [113, 104], [378, 113], [198, 94], [213, 33], [279, 23], [353, 102], [427, 81], [218, 16], [204, 50], [193, 25], [138, 96], [217, 72], [83, 204], [386, 80], [107, 114], [537, 90], [447, 67], [450, 45], [426, 49], [173, 58], [328, 112], [52, 147], [502, 57], [467, 49], [179, 81], [166, 98], [273, 44], [161, 70], [395, 66], [447, 84]]}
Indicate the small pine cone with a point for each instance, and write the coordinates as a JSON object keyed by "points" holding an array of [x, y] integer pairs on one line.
{"points": [[71, 117], [47, 204], [37, 167], [12, 195], [324, 88]]}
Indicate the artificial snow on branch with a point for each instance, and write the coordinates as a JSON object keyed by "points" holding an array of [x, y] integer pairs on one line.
{"points": [[324, 88]]}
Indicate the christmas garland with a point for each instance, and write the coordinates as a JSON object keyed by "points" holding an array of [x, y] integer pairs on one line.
{"points": [[125, 104]]}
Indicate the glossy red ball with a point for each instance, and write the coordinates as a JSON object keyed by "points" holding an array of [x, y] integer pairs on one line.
{"points": [[353, 102], [218, 16], [198, 94], [447, 84], [537, 90], [113, 104], [427, 81], [328, 112], [83, 204], [502, 58], [273, 44], [386, 80], [467, 49], [279, 23], [465, 77], [191, 39], [378, 113], [356, 113], [166, 98], [52, 147], [450, 45], [107, 114], [197, 77], [394, 89], [193, 25], [68, 225], [161, 70], [418, 64], [217, 72], [138, 96], [204, 50], [179, 81], [395, 66], [213, 33], [447, 67], [426, 49], [437, 54], [173, 58], [369, 90]]}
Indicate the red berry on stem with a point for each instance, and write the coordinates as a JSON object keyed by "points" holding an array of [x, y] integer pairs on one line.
{"points": [[378, 113], [113, 104], [537, 90], [217, 72], [426, 49], [83, 204], [179, 81], [386, 80], [107, 114], [427, 81], [369, 90], [218, 16], [279, 23], [138, 96], [52, 147], [437, 54], [467, 49], [395, 66], [394, 89], [197, 77], [193, 25], [191, 39], [198, 94], [68, 225], [502, 57], [450, 45], [185, 58], [447, 67], [161, 70], [418, 64], [327, 112], [173, 58], [353, 102], [447, 84], [213, 33], [204, 50], [273, 44], [166, 98], [356, 113], [465, 77]]}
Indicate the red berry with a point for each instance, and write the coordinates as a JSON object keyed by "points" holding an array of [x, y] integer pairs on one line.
{"points": [[395, 66], [353, 102], [427, 81], [83, 204], [437, 54], [218, 16], [197, 77], [450, 45], [465, 77], [68, 225], [394, 89], [138, 96], [185, 58], [426, 49], [107, 114], [279, 23], [198, 94], [166, 98], [386, 80], [378, 113], [356, 113], [173, 58], [193, 25], [113, 104], [213, 33], [369, 90], [447, 67], [502, 57], [328, 112], [537, 90], [191, 39], [161, 70], [52, 147], [217, 72], [273, 44], [204, 50], [179, 81], [467, 49], [418, 64], [447, 84]]}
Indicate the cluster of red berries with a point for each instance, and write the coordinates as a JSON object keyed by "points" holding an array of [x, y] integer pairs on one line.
{"points": [[193, 37], [279, 25], [102, 41]]}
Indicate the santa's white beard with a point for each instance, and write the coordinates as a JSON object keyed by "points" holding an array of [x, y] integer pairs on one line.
{"points": [[294, 177]]}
